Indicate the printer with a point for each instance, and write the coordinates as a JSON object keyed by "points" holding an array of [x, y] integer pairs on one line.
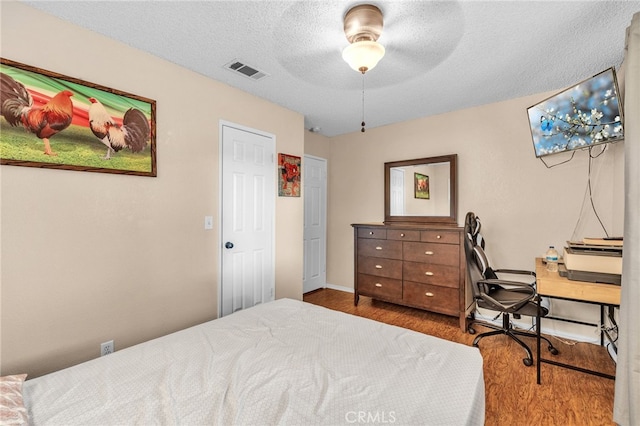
{"points": [[595, 260]]}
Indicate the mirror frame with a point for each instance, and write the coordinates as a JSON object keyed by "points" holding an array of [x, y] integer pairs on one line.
{"points": [[453, 204]]}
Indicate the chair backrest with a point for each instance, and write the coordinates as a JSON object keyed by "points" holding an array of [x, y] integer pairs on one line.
{"points": [[474, 271], [472, 227], [478, 267], [472, 233]]}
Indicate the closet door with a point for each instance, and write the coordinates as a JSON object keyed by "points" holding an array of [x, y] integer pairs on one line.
{"points": [[247, 222], [315, 223]]}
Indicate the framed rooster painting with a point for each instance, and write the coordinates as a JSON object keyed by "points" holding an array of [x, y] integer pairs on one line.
{"points": [[54, 121], [289, 176]]}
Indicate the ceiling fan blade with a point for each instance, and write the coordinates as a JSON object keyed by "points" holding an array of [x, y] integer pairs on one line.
{"points": [[313, 52], [419, 37]]}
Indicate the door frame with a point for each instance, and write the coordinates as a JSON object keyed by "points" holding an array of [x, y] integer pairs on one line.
{"points": [[221, 125], [326, 184]]}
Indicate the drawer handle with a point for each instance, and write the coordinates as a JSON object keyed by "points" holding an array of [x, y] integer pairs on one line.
{"points": [[378, 266], [402, 235], [438, 237], [370, 232], [428, 253], [429, 273], [378, 248], [378, 285], [429, 294]]}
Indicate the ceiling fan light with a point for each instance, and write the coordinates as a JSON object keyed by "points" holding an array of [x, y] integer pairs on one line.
{"points": [[363, 55]]}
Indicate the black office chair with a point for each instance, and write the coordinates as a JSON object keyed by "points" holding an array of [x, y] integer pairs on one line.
{"points": [[506, 296]]}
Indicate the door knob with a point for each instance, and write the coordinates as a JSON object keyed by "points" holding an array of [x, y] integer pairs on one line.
{"points": [[228, 245]]}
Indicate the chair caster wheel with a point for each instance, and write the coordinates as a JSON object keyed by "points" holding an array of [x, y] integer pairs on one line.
{"points": [[553, 350], [471, 330], [527, 361]]}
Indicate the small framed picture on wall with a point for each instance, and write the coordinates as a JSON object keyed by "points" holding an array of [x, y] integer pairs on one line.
{"points": [[421, 183], [289, 176]]}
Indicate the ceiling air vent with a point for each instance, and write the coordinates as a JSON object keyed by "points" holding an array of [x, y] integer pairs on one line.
{"points": [[245, 70]]}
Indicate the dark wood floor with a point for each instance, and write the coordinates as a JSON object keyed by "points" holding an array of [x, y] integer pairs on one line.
{"points": [[565, 397]]}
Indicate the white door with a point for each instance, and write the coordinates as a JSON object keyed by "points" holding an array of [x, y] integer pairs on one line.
{"points": [[315, 223], [247, 218], [397, 191]]}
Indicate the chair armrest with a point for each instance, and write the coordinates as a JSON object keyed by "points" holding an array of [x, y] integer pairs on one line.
{"points": [[515, 271], [505, 307], [500, 282]]}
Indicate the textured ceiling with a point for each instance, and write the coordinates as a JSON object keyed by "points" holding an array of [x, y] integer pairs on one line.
{"points": [[441, 56]]}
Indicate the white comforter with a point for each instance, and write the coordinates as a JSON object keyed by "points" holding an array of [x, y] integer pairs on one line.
{"points": [[284, 362]]}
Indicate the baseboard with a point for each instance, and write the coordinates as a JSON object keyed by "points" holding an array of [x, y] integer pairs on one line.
{"points": [[548, 330], [551, 331], [339, 288]]}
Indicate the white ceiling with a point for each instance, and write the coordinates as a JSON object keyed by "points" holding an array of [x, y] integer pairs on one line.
{"points": [[441, 56]]}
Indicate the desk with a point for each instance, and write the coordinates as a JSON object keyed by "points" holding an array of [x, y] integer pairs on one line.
{"points": [[552, 285]]}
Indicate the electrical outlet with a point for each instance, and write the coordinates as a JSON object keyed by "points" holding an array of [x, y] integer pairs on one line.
{"points": [[106, 348]]}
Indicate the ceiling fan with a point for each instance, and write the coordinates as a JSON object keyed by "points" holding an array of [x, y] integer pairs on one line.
{"points": [[311, 36], [362, 27]]}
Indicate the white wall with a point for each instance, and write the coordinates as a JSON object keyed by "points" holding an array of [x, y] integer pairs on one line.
{"points": [[90, 257]]}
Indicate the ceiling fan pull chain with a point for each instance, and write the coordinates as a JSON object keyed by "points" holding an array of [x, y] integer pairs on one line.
{"points": [[362, 130]]}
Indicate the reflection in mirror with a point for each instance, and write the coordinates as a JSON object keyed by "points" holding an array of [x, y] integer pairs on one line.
{"points": [[421, 190]]}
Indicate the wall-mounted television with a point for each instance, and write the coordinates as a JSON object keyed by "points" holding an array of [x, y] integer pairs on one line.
{"points": [[581, 116]]}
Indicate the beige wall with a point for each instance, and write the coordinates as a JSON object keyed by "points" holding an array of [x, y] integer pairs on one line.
{"points": [[524, 206], [90, 257], [317, 145]]}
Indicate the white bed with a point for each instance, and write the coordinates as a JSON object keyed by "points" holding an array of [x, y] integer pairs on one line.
{"points": [[283, 362]]}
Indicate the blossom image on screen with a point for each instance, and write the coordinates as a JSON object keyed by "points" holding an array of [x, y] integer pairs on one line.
{"points": [[584, 115]]}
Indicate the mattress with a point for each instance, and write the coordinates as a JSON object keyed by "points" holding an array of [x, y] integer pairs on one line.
{"points": [[282, 362]]}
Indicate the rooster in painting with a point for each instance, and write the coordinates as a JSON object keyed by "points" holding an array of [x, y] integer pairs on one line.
{"points": [[133, 133], [16, 106], [291, 175]]}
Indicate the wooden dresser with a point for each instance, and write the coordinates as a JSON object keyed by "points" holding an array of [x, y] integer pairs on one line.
{"points": [[421, 266]]}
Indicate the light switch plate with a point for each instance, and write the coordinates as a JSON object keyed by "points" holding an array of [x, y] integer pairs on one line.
{"points": [[208, 222]]}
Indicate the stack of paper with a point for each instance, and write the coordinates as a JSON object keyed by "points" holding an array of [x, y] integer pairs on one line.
{"points": [[616, 241]]}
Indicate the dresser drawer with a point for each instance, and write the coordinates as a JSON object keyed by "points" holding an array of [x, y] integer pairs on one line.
{"points": [[440, 236], [389, 268], [380, 248], [403, 234], [372, 233], [438, 299], [441, 254], [385, 288], [441, 275]]}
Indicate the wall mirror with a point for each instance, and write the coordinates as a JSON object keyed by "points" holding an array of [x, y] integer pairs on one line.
{"points": [[421, 191]]}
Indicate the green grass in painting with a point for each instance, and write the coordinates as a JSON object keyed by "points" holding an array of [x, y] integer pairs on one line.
{"points": [[75, 145]]}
